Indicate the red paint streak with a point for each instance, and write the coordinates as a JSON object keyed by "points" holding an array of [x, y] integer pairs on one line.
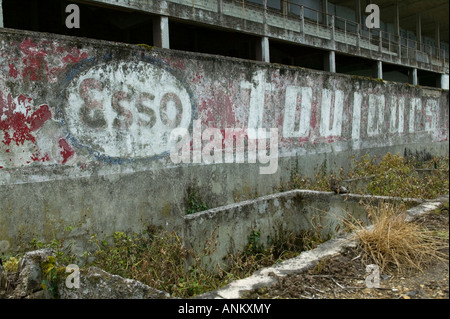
{"points": [[36, 158], [303, 139], [21, 132], [69, 58], [197, 78], [177, 64], [229, 116], [219, 110], [59, 49], [236, 134], [13, 71], [33, 62], [280, 120], [39, 117], [332, 139], [17, 126], [312, 121], [23, 99], [204, 108], [67, 151], [26, 45]]}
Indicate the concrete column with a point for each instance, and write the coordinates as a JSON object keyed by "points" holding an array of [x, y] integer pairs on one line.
{"points": [[380, 43], [325, 12], [265, 17], [396, 20], [358, 11], [419, 32], [330, 62], [263, 50], [358, 38], [377, 71], [220, 6], [284, 7], [437, 38], [444, 81], [161, 32], [397, 29], [1, 15], [302, 19], [413, 79], [332, 31]]}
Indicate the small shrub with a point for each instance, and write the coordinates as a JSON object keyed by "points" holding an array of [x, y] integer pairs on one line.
{"points": [[159, 259], [394, 244], [194, 202], [51, 274], [62, 248], [392, 175], [11, 264], [395, 176]]}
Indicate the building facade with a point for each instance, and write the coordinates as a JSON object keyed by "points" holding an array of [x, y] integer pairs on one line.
{"points": [[409, 45]]}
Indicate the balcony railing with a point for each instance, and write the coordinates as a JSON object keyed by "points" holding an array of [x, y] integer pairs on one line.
{"points": [[298, 18]]}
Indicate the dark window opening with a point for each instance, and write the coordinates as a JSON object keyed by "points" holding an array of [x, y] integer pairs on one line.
{"points": [[397, 73], [354, 65], [427, 78], [95, 22], [194, 38], [291, 54]]}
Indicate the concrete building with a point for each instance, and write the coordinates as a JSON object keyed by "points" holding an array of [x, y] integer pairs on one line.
{"points": [[410, 45]]}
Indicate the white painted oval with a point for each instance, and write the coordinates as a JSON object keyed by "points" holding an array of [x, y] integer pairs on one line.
{"points": [[154, 86]]}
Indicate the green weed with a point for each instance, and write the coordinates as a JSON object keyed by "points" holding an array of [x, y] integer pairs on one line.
{"points": [[194, 202], [392, 175]]}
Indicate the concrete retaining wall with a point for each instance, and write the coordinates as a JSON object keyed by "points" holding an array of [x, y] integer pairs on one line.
{"points": [[226, 230], [85, 130], [269, 218]]}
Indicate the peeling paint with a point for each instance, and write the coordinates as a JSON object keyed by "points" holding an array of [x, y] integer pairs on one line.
{"points": [[41, 61], [86, 103], [17, 120], [66, 150]]}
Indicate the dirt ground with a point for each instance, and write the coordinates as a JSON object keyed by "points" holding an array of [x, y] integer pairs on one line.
{"points": [[343, 276]]}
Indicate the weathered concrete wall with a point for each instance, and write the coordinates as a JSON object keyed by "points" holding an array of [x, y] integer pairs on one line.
{"points": [[85, 130], [227, 229]]}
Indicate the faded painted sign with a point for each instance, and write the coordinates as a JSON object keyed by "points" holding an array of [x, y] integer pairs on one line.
{"points": [[126, 109], [69, 105]]}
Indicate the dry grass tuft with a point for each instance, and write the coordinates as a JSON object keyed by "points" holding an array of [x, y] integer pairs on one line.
{"points": [[396, 245]]}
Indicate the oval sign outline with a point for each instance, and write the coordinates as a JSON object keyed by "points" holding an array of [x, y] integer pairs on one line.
{"points": [[83, 67]]}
